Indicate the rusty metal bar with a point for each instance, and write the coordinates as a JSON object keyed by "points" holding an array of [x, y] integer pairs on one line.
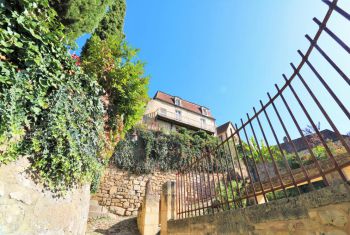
{"points": [[239, 165], [317, 131], [330, 91], [208, 169], [200, 188], [325, 114], [337, 9], [213, 168], [262, 158], [303, 137], [330, 61], [335, 37], [247, 166], [218, 177], [177, 195], [304, 59], [292, 143], [256, 168], [272, 158], [201, 171], [221, 154], [229, 174], [213, 175], [193, 187], [233, 168]]}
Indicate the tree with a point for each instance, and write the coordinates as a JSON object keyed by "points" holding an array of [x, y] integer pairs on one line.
{"points": [[107, 56], [83, 16], [121, 75], [113, 22]]}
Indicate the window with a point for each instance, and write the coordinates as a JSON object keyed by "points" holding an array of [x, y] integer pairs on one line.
{"points": [[204, 111], [178, 114], [203, 123], [163, 111], [177, 101]]}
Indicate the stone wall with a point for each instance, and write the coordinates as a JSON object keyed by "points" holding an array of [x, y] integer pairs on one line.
{"points": [[26, 208], [122, 192], [325, 211]]}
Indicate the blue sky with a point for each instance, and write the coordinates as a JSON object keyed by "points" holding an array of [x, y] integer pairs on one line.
{"points": [[226, 54]]}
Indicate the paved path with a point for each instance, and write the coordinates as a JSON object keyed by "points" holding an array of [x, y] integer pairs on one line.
{"points": [[108, 226]]}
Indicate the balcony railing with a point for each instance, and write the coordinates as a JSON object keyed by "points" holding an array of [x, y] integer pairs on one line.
{"points": [[179, 118]]}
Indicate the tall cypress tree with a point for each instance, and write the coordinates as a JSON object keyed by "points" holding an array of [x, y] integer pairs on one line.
{"points": [[80, 16], [113, 22]]}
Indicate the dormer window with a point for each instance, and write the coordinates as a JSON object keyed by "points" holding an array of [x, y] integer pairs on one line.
{"points": [[204, 111], [177, 101]]}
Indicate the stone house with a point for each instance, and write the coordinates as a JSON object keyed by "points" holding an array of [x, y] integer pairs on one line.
{"points": [[313, 141], [225, 130], [166, 112]]}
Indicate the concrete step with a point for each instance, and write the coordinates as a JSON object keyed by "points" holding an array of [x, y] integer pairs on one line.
{"points": [[94, 203], [95, 208]]}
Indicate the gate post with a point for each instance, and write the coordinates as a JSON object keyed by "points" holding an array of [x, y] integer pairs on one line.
{"points": [[168, 206], [148, 215]]}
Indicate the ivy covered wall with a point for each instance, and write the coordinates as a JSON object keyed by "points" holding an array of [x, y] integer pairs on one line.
{"points": [[144, 151]]}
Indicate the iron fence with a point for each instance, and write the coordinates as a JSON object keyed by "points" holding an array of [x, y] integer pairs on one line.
{"points": [[245, 170]]}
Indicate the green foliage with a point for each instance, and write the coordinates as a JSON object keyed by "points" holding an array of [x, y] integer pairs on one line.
{"points": [[319, 152], [113, 22], [121, 76], [157, 150], [258, 152], [83, 16], [50, 110], [230, 193], [293, 192]]}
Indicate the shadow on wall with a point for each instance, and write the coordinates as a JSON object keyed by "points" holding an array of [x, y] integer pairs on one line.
{"points": [[126, 227]]}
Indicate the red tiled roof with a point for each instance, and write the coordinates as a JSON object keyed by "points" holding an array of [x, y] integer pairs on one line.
{"points": [[184, 103], [223, 127]]}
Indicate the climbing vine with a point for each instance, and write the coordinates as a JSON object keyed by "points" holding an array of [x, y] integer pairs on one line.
{"points": [[143, 151], [50, 110]]}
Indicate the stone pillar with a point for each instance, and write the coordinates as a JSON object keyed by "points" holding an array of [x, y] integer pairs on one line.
{"points": [[27, 207], [148, 216], [167, 206]]}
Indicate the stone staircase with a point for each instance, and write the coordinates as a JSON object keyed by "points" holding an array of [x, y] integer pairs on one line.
{"points": [[96, 211]]}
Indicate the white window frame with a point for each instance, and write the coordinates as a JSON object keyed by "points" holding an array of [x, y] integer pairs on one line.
{"points": [[177, 101], [203, 123], [178, 114], [204, 111]]}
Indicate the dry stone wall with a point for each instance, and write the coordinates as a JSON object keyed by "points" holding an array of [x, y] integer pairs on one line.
{"points": [[122, 193], [26, 208]]}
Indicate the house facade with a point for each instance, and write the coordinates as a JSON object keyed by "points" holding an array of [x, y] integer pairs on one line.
{"points": [[167, 112], [225, 131]]}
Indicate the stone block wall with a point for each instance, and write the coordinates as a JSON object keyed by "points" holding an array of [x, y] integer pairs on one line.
{"points": [[122, 192], [325, 211], [26, 208]]}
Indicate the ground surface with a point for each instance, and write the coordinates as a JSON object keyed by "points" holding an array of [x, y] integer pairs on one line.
{"points": [[108, 226]]}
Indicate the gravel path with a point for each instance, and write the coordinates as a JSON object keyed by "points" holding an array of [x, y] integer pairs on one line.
{"points": [[108, 226]]}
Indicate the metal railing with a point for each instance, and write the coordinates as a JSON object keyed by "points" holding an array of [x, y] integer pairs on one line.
{"points": [[245, 170], [196, 123]]}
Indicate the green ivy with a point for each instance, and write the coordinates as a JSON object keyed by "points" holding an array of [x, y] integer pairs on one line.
{"points": [[50, 110], [160, 151]]}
